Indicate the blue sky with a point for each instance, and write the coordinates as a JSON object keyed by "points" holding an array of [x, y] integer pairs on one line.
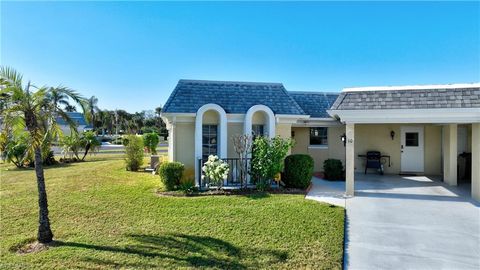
{"points": [[131, 54]]}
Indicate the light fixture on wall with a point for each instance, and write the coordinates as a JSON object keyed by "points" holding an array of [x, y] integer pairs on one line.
{"points": [[392, 134], [344, 139], [293, 134]]}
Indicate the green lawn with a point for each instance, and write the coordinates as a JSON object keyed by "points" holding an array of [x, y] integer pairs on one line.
{"points": [[105, 217]]}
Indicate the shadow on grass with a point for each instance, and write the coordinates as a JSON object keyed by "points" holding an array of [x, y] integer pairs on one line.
{"points": [[181, 250]]}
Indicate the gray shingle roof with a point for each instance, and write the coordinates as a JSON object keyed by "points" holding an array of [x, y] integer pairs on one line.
{"points": [[315, 104], [233, 97], [409, 99]]}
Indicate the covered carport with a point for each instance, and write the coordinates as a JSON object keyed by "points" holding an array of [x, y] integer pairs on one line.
{"points": [[412, 109]]}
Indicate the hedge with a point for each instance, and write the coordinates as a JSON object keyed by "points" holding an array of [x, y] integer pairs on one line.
{"points": [[298, 171]]}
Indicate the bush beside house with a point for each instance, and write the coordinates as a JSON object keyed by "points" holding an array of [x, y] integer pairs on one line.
{"points": [[171, 174], [268, 159], [134, 153], [333, 169], [298, 171]]}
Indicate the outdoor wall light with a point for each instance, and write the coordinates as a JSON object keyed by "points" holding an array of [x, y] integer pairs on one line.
{"points": [[392, 134], [344, 139], [293, 134]]}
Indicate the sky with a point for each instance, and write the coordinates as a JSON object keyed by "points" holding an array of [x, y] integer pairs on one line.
{"points": [[131, 54]]}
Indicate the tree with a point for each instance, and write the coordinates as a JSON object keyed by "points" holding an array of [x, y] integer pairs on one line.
{"points": [[242, 144], [70, 108], [70, 144], [25, 109], [267, 158], [88, 142], [73, 143], [92, 105], [57, 97], [151, 141], [134, 153]]}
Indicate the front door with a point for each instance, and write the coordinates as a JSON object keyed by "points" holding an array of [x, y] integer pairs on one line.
{"points": [[412, 150]]}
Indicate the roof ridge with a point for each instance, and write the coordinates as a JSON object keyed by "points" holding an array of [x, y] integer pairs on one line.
{"points": [[293, 100], [412, 87], [232, 82], [338, 101]]}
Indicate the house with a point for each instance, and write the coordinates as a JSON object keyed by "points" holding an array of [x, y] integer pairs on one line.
{"points": [[420, 129], [78, 119]]}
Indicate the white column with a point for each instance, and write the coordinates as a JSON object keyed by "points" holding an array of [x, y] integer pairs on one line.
{"points": [[171, 141], [476, 161], [350, 160], [223, 136], [450, 143]]}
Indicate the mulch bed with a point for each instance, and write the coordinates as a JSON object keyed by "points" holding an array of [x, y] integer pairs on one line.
{"points": [[231, 192]]}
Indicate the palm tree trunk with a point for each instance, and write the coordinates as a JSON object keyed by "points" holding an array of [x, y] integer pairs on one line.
{"points": [[87, 147], [45, 234]]}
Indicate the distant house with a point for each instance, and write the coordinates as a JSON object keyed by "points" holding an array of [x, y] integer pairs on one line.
{"points": [[78, 118], [422, 129]]}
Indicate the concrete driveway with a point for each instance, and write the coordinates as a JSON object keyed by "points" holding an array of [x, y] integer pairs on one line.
{"points": [[398, 222]]}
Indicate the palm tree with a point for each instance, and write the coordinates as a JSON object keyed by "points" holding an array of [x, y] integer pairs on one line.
{"points": [[70, 108], [55, 96], [92, 108], [25, 109]]}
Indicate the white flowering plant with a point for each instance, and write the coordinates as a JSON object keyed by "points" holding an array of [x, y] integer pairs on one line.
{"points": [[215, 171]]}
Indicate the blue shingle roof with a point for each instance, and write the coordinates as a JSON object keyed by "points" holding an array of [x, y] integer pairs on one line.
{"points": [[233, 97], [75, 116], [315, 104]]}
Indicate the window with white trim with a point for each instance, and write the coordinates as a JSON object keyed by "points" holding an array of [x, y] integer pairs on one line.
{"points": [[319, 136], [209, 140], [258, 130]]}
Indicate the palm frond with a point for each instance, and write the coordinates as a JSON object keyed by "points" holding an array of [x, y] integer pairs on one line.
{"points": [[9, 77]]}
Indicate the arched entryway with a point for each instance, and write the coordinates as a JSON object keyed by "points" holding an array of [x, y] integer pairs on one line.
{"points": [[260, 120], [210, 134]]}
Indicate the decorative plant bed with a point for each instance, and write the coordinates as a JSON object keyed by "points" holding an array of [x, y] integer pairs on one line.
{"points": [[230, 192]]}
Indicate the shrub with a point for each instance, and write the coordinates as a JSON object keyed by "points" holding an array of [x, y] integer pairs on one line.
{"points": [[268, 159], [151, 141], [134, 153], [49, 159], [298, 171], [149, 130], [187, 187], [88, 142], [16, 151], [215, 171], [70, 145], [333, 169], [171, 174]]}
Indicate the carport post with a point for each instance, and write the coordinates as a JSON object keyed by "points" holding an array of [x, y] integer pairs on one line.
{"points": [[476, 161], [450, 154], [350, 160]]}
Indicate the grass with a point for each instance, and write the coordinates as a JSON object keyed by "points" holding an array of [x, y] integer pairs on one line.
{"points": [[104, 217]]}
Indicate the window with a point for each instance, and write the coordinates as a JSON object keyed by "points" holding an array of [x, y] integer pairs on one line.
{"points": [[318, 136], [209, 140], [411, 138], [257, 130]]}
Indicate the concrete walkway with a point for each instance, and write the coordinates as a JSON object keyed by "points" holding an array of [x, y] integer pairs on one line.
{"points": [[398, 222]]}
